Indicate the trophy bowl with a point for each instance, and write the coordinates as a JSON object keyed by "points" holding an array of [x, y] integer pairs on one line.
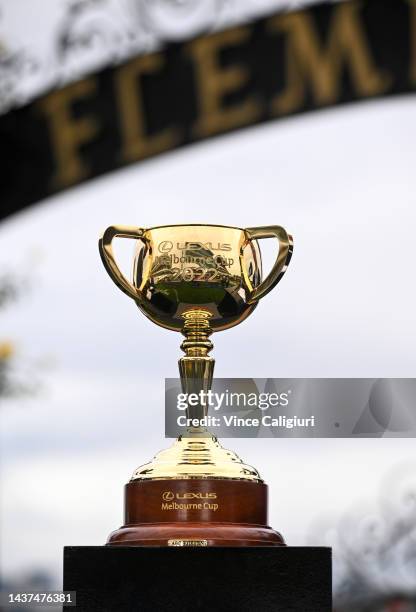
{"points": [[213, 268]]}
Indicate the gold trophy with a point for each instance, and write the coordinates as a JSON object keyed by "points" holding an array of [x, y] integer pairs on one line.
{"points": [[196, 279]]}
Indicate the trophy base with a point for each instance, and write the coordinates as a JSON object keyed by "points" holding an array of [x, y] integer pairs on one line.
{"points": [[195, 534], [195, 512]]}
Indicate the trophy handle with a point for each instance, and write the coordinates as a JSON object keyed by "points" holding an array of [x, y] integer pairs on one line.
{"points": [[282, 260], [107, 256]]}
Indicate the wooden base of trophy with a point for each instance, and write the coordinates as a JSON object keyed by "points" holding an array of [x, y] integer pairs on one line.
{"points": [[195, 512]]}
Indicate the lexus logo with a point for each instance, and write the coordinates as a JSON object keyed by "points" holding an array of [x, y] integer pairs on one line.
{"points": [[167, 495], [165, 246]]}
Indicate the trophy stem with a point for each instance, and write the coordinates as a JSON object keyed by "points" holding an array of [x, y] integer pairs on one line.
{"points": [[197, 454], [196, 367]]}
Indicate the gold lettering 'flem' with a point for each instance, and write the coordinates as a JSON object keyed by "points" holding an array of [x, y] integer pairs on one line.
{"points": [[136, 143], [213, 82], [321, 65], [68, 133]]}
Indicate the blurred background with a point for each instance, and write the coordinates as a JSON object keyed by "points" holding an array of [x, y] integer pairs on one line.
{"points": [[78, 361]]}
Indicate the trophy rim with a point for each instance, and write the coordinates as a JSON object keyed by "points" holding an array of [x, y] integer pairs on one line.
{"points": [[232, 227]]}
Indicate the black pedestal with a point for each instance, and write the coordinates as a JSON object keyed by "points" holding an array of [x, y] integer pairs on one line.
{"points": [[126, 579]]}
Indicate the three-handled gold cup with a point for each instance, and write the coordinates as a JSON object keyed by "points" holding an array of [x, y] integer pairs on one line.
{"points": [[196, 279]]}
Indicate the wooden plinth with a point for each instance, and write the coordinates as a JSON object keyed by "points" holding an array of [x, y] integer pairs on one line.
{"points": [[195, 512]]}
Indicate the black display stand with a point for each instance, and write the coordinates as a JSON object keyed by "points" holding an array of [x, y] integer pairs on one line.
{"points": [[129, 579]]}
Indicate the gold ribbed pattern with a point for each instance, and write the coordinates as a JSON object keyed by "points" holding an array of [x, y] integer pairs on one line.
{"points": [[196, 457], [196, 330]]}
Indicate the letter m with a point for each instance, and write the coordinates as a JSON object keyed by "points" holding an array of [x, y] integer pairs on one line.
{"points": [[309, 61]]}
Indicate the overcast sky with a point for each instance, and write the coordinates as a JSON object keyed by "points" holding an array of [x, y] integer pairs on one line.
{"points": [[344, 183]]}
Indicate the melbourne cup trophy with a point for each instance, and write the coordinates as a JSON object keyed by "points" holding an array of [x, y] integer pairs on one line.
{"points": [[196, 279]]}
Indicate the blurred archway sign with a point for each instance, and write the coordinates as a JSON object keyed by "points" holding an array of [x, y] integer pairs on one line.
{"points": [[268, 69]]}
